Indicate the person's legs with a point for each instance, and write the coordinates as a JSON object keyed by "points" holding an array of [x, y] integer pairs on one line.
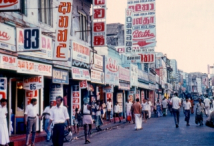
{"points": [[28, 130], [33, 131], [48, 132], [114, 117], [55, 135], [188, 117], [60, 134], [174, 114], [178, 115], [85, 132]]}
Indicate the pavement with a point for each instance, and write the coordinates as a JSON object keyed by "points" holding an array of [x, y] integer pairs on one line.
{"points": [[156, 132]]}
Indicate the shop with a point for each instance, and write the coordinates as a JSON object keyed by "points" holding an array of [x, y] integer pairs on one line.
{"points": [[143, 84]]}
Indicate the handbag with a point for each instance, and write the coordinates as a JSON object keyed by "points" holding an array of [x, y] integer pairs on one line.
{"points": [[129, 118]]}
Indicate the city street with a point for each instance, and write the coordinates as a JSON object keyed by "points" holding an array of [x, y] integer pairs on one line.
{"points": [[156, 132]]}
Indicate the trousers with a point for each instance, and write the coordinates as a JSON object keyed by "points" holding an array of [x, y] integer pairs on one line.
{"points": [[176, 114], [187, 116], [48, 132], [58, 134], [31, 126]]}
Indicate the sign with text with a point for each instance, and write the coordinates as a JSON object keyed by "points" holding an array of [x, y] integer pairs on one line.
{"points": [[121, 49], [8, 62], [108, 89], [124, 74], [147, 58], [83, 84], [80, 53], [128, 30], [97, 77], [55, 90], [60, 76], [76, 98], [32, 39], [10, 5], [3, 88], [80, 74], [33, 83], [98, 62], [7, 37], [63, 30]]}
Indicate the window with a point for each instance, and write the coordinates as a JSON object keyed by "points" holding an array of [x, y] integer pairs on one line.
{"points": [[23, 7], [46, 12], [83, 27]]}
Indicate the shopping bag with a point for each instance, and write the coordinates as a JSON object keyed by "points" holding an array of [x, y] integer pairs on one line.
{"points": [[129, 118]]}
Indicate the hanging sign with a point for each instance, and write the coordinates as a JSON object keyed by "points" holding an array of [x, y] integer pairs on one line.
{"points": [[80, 74], [80, 53], [98, 62], [33, 83], [83, 84], [8, 62], [63, 30], [60, 76], [10, 5]]}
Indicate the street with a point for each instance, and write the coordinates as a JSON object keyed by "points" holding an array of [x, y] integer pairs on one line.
{"points": [[156, 132]]}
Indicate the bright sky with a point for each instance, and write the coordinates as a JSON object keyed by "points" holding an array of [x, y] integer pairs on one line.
{"points": [[185, 30]]}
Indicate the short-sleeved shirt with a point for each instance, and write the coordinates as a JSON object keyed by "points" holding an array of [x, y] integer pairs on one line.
{"points": [[164, 103], [145, 106], [59, 114], [200, 108], [47, 110], [109, 105], [31, 110], [207, 102], [175, 102], [116, 109], [187, 105]]}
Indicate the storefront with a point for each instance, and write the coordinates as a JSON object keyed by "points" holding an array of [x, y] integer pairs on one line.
{"points": [[143, 84]]}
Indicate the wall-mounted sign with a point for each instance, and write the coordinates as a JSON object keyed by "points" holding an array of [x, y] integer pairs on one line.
{"points": [[29, 67], [128, 30], [80, 74], [55, 90], [10, 5], [7, 37], [32, 39], [83, 84], [60, 76], [80, 53], [33, 83], [98, 62], [134, 75], [121, 49], [108, 89], [124, 74], [3, 88], [123, 85], [63, 30], [147, 58], [97, 77], [120, 101], [8, 62], [142, 76], [76, 99]]}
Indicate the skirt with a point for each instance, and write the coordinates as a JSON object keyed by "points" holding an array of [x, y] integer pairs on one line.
{"points": [[87, 119], [138, 121], [99, 121], [4, 136]]}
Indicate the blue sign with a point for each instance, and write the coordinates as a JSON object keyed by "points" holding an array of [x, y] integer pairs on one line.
{"points": [[60, 76]]}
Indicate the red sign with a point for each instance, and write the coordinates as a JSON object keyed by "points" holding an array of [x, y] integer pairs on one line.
{"points": [[147, 58], [99, 13], [99, 26], [99, 40], [30, 94], [143, 7], [76, 94], [76, 100], [99, 2], [109, 96]]}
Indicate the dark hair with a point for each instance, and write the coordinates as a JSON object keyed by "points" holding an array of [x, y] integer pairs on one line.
{"points": [[137, 99], [3, 100], [109, 99], [33, 100], [59, 97], [76, 109], [176, 94]]}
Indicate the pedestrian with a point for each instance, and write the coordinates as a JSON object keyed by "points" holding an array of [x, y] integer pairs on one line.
{"points": [[104, 110], [132, 111], [183, 104], [159, 109], [4, 135], [210, 120], [145, 110], [31, 113], [155, 110], [59, 116], [117, 112], [128, 109], [164, 106], [150, 109], [207, 105], [76, 120], [211, 102], [99, 121], [46, 116], [200, 109], [137, 109], [176, 103], [192, 105], [187, 106], [169, 105], [109, 108]]}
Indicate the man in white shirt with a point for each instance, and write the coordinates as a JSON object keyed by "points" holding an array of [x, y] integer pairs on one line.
{"points": [[176, 103], [128, 108], [187, 106], [117, 112], [31, 113], [46, 115], [150, 108], [207, 106], [109, 107], [164, 105], [145, 109]]}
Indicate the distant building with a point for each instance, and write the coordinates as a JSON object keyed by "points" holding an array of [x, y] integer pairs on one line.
{"points": [[174, 66], [115, 34]]}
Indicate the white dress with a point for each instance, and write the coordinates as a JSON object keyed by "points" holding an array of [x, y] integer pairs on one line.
{"points": [[4, 136]]}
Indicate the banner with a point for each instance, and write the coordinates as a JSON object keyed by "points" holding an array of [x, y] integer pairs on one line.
{"points": [[10, 5], [33, 83], [7, 37], [76, 99], [60, 76], [8, 62], [63, 30], [98, 62], [97, 77], [80, 53], [80, 74]]}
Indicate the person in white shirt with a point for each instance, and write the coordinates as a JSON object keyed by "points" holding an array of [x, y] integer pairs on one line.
{"points": [[150, 108], [31, 113], [117, 112], [46, 115], [207, 106], [58, 116], [176, 103], [4, 136], [145, 109], [187, 106], [109, 108], [128, 108], [164, 106]]}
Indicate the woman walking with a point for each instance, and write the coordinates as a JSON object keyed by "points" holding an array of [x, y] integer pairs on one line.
{"points": [[99, 120], [200, 109], [159, 110]]}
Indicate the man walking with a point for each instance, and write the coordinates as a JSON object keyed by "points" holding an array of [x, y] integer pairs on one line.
{"points": [[31, 114], [187, 106], [164, 106], [58, 115], [109, 107], [117, 112], [137, 108], [176, 103], [207, 106]]}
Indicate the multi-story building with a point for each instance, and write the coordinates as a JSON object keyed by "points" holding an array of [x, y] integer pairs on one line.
{"points": [[174, 66]]}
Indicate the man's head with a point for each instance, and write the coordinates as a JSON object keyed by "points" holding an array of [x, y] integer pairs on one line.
{"points": [[199, 99], [34, 101], [51, 103], [3, 102], [109, 99], [176, 94], [59, 100], [137, 100]]}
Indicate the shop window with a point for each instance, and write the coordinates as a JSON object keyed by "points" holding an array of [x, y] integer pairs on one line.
{"points": [[83, 26], [46, 12]]}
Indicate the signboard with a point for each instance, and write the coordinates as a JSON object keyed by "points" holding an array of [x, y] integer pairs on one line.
{"points": [[3, 88], [46, 46], [7, 37], [33, 83], [76, 99], [8, 62], [29, 67], [136, 49], [121, 49], [99, 23], [147, 58], [123, 85], [142, 76], [111, 71], [124, 74], [63, 30], [139, 58], [32, 39], [80, 74], [134, 75], [128, 30], [98, 62], [83, 84], [60, 76], [142, 95], [10, 5], [108, 89], [80, 53], [120, 101], [56, 90], [97, 77], [131, 59]]}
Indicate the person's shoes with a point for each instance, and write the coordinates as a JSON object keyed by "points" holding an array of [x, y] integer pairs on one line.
{"points": [[87, 141], [188, 124], [177, 126]]}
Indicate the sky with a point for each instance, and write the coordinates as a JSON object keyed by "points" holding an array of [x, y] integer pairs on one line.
{"points": [[185, 30]]}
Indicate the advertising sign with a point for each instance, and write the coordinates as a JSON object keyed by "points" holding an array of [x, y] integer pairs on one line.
{"points": [[124, 74], [98, 62], [32, 39], [3, 88], [80, 52], [8, 62], [76, 98], [123, 85], [97, 77], [147, 58], [10, 5], [33, 83], [60, 76], [131, 59], [7, 37], [128, 30], [56, 90], [63, 30], [80, 74], [134, 75], [29, 67], [83, 84], [108, 89], [142, 95], [120, 101], [142, 76], [111, 71]]}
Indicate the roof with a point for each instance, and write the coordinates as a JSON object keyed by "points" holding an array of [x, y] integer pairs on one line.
{"points": [[112, 29]]}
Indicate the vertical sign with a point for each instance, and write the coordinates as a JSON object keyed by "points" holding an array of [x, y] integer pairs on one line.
{"points": [[128, 30], [63, 30], [99, 23], [3, 88], [76, 97]]}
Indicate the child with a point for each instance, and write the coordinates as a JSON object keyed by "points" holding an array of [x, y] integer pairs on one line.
{"points": [[76, 121]]}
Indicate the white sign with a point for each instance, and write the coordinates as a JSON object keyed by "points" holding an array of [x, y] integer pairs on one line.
{"points": [[134, 75], [29, 67], [33, 83], [10, 5], [8, 62], [98, 62], [7, 37], [80, 53], [63, 30], [80, 74], [121, 49], [128, 30], [3, 88], [97, 77], [56, 90]]}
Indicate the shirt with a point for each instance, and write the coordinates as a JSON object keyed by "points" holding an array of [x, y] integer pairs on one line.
{"points": [[164, 103], [175, 102], [200, 108], [108, 105], [116, 108], [207, 102], [145, 106], [3, 112], [59, 114], [187, 105], [136, 108], [31, 110], [128, 106], [47, 110]]}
